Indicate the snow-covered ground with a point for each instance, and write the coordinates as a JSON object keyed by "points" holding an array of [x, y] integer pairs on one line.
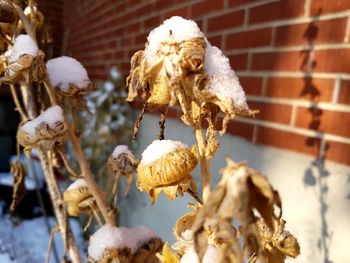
{"points": [[27, 242]]}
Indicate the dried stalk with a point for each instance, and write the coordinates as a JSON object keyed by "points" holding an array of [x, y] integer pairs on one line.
{"points": [[204, 164], [53, 188], [86, 173], [17, 103]]}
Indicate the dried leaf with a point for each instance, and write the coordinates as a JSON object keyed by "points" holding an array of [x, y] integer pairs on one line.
{"points": [[19, 189], [168, 256]]}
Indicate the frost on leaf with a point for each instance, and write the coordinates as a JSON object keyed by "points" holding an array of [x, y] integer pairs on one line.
{"points": [[246, 196], [124, 245], [45, 131], [180, 66], [166, 166]]}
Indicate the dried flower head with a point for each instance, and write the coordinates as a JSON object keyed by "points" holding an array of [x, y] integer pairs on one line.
{"points": [[25, 60], [45, 131], [182, 66], [70, 80], [122, 162], [245, 195], [124, 245], [78, 198], [166, 166]]}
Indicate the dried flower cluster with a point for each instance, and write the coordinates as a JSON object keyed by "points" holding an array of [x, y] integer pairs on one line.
{"points": [[177, 67]]}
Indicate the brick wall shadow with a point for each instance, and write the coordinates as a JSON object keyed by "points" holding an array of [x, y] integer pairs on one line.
{"points": [[316, 174]]}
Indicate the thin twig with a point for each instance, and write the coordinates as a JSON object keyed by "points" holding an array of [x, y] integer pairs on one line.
{"points": [[89, 179], [17, 103], [53, 233], [68, 166], [195, 196]]}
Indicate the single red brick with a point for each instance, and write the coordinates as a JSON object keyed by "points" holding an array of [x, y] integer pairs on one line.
{"points": [[284, 61], [151, 22], [239, 61], [332, 60], [320, 7], [288, 140], [272, 111], [334, 122], [232, 3], [230, 20], [344, 94], [206, 7], [216, 40], [337, 151], [182, 11], [319, 32], [247, 39], [251, 85], [276, 11], [297, 88], [241, 129]]}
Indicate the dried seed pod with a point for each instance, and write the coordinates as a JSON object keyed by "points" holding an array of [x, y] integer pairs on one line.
{"points": [[78, 198], [122, 162], [166, 166], [277, 244], [182, 66], [70, 80], [43, 132], [124, 245]]}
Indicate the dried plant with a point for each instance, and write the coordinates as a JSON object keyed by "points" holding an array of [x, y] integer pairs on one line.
{"points": [[178, 67]]}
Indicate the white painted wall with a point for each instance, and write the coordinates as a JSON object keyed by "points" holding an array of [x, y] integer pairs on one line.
{"points": [[303, 185]]}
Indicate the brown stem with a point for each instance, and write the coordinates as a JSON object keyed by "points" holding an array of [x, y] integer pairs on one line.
{"points": [[109, 218], [195, 196], [17, 103], [50, 93], [28, 28], [204, 164], [52, 185]]}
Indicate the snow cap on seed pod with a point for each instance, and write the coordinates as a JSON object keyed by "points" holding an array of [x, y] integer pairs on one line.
{"points": [[123, 162], [121, 244], [166, 166], [24, 59], [43, 132], [69, 79], [78, 198]]}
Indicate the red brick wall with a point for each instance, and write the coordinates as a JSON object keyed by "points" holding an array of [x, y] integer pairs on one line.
{"points": [[292, 57]]}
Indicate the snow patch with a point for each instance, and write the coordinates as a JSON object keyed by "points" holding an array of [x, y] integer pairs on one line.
{"points": [[24, 44], [77, 184], [122, 149], [64, 71], [50, 116], [158, 148], [223, 81], [187, 235], [180, 28], [210, 255], [109, 236]]}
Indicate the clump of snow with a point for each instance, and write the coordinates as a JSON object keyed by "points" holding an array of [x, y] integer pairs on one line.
{"points": [[77, 184], [187, 234], [122, 149], [109, 236], [24, 44], [180, 28], [210, 255], [64, 71], [50, 116], [30, 9], [158, 148], [223, 81]]}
